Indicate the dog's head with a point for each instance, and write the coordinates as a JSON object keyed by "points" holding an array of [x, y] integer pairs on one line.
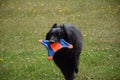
{"points": [[56, 33]]}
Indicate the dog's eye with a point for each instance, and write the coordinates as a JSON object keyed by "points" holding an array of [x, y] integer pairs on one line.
{"points": [[58, 34], [53, 34]]}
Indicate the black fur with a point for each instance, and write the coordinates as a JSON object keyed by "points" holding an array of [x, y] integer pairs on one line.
{"points": [[66, 59]]}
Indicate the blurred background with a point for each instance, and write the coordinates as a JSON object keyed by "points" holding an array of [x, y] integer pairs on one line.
{"points": [[24, 22]]}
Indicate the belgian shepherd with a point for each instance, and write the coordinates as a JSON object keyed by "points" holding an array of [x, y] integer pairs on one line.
{"points": [[66, 59]]}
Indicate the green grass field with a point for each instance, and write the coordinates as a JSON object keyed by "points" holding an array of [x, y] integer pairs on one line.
{"points": [[23, 22]]}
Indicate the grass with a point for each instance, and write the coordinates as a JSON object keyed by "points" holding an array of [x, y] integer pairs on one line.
{"points": [[23, 22]]}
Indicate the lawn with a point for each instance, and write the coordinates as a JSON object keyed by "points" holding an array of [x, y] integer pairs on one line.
{"points": [[24, 22]]}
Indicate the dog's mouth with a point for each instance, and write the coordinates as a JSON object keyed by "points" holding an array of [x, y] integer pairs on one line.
{"points": [[52, 41], [56, 46]]}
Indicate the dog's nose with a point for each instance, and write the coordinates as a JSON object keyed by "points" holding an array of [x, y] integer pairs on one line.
{"points": [[51, 41]]}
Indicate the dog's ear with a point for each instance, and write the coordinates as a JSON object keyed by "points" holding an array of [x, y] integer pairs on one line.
{"points": [[54, 25], [66, 31], [63, 28]]}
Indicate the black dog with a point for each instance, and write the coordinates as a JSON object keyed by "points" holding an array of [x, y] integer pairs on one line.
{"points": [[66, 59]]}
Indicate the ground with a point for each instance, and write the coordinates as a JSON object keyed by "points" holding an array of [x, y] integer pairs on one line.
{"points": [[24, 22]]}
